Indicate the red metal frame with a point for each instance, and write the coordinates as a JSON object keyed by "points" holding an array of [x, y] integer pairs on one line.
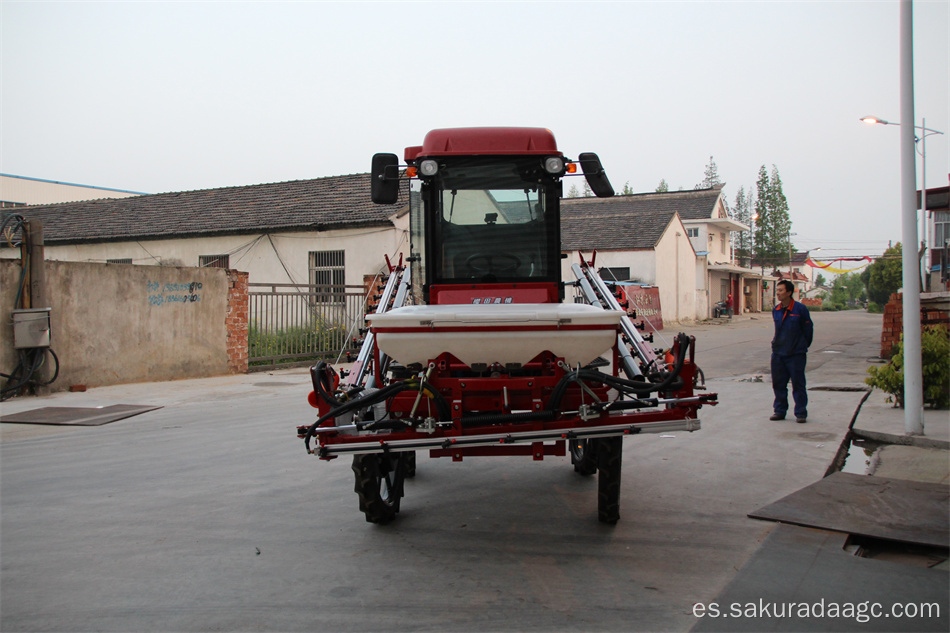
{"points": [[503, 394]]}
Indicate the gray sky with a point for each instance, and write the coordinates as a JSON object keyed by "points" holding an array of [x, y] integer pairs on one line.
{"points": [[175, 96]]}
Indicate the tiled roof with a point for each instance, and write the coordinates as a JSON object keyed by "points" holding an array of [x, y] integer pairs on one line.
{"points": [[695, 204], [318, 204], [617, 223]]}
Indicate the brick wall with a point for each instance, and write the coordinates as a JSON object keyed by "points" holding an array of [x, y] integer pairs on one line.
{"points": [[237, 321], [894, 322], [811, 303]]}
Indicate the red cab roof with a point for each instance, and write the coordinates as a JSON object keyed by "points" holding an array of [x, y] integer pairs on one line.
{"points": [[485, 141]]}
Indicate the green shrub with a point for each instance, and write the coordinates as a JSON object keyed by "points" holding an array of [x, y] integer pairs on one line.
{"points": [[935, 350], [875, 308]]}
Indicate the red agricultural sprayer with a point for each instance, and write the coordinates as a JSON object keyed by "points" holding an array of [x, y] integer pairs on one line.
{"points": [[473, 351]]}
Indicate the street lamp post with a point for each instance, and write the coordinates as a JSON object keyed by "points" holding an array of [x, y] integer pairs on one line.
{"points": [[913, 370], [924, 224]]}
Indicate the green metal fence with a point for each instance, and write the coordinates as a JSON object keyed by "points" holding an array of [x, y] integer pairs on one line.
{"points": [[296, 324]]}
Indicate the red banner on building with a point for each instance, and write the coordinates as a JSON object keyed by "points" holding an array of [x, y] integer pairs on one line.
{"points": [[646, 301]]}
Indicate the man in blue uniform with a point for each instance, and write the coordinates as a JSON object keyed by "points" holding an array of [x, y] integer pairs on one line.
{"points": [[793, 334]]}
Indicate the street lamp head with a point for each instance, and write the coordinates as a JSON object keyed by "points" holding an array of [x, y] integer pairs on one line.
{"points": [[871, 120]]}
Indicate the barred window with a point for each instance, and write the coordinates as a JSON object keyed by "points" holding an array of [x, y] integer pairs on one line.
{"points": [[327, 269], [120, 260], [213, 261]]}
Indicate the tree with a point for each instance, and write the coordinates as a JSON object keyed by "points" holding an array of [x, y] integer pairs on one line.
{"points": [[587, 192], [627, 190], [773, 226], [848, 289], [885, 275], [573, 192], [663, 187], [742, 210], [711, 178], [820, 280], [761, 215]]}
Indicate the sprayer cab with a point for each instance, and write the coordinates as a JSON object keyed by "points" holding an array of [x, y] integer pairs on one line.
{"points": [[485, 210]]}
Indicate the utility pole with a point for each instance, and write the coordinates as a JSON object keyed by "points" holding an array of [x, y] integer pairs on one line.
{"points": [[913, 372]]}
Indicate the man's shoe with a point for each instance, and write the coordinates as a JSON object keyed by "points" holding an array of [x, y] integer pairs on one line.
{"points": [[776, 416], [801, 420]]}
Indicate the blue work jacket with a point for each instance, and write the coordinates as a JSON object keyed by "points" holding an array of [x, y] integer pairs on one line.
{"points": [[793, 329]]}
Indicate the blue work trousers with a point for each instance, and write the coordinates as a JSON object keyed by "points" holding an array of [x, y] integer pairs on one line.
{"points": [[785, 368]]}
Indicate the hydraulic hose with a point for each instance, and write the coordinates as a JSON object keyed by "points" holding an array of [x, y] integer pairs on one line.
{"points": [[375, 397], [635, 387]]}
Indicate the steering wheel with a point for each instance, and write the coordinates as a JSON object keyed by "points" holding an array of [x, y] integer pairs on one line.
{"points": [[503, 264]]}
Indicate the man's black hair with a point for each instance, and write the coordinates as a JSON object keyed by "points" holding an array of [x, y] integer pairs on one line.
{"points": [[789, 286]]}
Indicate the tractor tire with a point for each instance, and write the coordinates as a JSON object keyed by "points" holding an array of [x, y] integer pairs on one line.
{"points": [[379, 485], [584, 456], [609, 462]]}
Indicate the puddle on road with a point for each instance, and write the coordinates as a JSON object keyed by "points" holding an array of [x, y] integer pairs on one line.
{"points": [[862, 457]]}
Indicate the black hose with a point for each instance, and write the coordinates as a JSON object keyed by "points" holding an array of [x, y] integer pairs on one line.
{"points": [[635, 387], [320, 376], [30, 361], [375, 397]]}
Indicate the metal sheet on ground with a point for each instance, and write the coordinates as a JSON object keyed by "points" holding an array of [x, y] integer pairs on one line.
{"points": [[802, 579], [77, 416], [893, 509]]}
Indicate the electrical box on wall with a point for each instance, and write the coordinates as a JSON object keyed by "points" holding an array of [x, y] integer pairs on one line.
{"points": [[31, 328]]}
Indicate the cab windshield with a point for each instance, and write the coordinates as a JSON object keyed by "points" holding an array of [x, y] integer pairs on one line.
{"points": [[490, 221]]}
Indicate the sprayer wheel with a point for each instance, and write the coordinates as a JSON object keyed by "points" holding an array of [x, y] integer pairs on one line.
{"points": [[584, 456], [379, 485], [609, 462]]}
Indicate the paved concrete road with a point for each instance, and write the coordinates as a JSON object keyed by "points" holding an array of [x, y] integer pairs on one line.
{"points": [[207, 515]]}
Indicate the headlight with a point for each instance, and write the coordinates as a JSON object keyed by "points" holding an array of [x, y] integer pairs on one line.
{"points": [[554, 165], [428, 167]]}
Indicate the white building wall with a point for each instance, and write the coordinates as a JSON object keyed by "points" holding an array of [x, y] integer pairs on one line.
{"points": [[676, 274], [702, 289], [277, 258], [642, 264]]}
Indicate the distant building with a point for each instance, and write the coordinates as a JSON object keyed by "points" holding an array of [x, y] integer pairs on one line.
{"points": [[19, 191], [319, 231], [679, 241]]}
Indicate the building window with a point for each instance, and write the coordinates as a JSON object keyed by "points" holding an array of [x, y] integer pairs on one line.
{"points": [[213, 261], [327, 274], [120, 260], [941, 228], [722, 242], [692, 232], [614, 274]]}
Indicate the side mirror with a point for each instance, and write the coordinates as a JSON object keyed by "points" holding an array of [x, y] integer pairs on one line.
{"points": [[594, 173], [384, 183]]}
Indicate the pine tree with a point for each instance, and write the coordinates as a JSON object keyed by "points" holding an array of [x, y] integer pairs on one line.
{"points": [[573, 192], [663, 187], [773, 225], [711, 178], [781, 222], [587, 192], [743, 213], [760, 235]]}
